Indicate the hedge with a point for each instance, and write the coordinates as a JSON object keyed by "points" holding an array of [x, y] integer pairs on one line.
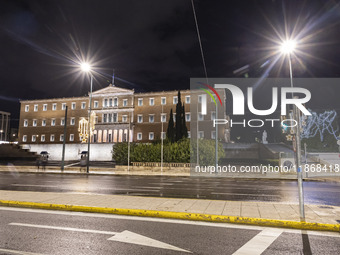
{"points": [[177, 152]]}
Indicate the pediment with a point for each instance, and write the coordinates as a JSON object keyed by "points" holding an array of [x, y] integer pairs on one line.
{"points": [[112, 90]]}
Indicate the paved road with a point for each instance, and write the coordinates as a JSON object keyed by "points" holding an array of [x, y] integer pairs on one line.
{"points": [[325, 193], [28, 231]]}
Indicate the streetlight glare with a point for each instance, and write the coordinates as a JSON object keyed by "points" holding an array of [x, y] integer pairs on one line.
{"points": [[288, 47], [85, 67]]}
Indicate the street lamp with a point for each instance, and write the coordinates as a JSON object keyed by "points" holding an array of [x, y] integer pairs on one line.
{"points": [[287, 49], [85, 67]]}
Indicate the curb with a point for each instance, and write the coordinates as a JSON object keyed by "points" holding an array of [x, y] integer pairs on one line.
{"points": [[178, 215]]}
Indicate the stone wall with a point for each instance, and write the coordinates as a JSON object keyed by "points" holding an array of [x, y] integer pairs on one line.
{"points": [[98, 152]]}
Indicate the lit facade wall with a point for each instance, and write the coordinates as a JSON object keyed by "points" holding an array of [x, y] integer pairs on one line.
{"points": [[120, 114]]}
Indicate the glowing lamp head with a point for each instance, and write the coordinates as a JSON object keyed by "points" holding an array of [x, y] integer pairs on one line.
{"points": [[85, 67], [288, 47]]}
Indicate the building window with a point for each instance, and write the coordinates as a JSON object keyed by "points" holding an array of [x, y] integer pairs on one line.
{"points": [[163, 100], [200, 117], [151, 118], [139, 136], [35, 107], [163, 117], [125, 101], [201, 134], [124, 118], [151, 101], [34, 123], [73, 106], [27, 108], [140, 118], [110, 102], [174, 116], [42, 138], [151, 135], [43, 123], [61, 138], [104, 117], [109, 117], [213, 115], [63, 106], [189, 134], [95, 104], [187, 117], [34, 138], [83, 105], [62, 122], [175, 100], [163, 135], [54, 107], [53, 122], [115, 102], [105, 102], [73, 121], [140, 101], [187, 99], [24, 138], [44, 107], [25, 123], [52, 138], [115, 117], [200, 99], [71, 137], [213, 134]]}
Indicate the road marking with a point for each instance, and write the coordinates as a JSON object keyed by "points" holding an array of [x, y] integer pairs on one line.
{"points": [[18, 252], [240, 194], [124, 237], [173, 221], [35, 185], [63, 228], [130, 237], [260, 242]]}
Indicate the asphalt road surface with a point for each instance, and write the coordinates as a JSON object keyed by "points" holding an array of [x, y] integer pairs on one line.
{"points": [[325, 193], [33, 232]]}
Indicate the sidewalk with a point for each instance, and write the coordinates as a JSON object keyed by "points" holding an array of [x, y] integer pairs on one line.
{"points": [[256, 213]]}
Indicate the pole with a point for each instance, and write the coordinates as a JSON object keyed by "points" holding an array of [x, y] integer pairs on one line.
{"points": [[298, 150], [64, 140], [197, 154], [162, 143], [129, 143], [89, 129], [216, 143]]}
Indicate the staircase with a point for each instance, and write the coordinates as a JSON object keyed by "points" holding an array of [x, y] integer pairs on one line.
{"points": [[15, 152]]}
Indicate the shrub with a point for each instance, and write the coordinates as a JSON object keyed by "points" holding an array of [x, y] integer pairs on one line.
{"points": [[177, 152]]}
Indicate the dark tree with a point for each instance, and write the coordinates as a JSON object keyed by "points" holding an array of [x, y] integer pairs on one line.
{"points": [[185, 130], [170, 133], [179, 116]]}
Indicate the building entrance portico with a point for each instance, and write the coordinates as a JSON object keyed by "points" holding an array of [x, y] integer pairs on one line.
{"points": [[112, 133]]}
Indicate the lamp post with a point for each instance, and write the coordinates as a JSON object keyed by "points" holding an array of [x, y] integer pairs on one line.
{"points": [[87, 68], [287, 48], [162, 141]]}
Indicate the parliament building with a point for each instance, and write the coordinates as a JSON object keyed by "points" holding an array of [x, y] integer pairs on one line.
{"points": [[117, 115]]}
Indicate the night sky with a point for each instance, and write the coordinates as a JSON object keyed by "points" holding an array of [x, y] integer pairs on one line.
{"points": [[152, 45]]}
